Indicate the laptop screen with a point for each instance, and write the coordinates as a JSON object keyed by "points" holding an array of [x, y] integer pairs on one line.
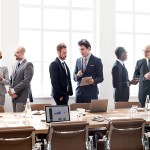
{"points": [[57, 113]]}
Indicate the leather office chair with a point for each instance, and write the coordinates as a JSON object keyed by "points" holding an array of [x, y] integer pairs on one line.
{"points": [[125, 134], [119, 105], [85, 106], [17, 138], [68, 135], [2, 109], [39, 106]]}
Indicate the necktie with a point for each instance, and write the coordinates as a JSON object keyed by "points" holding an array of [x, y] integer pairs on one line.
{"points": [[126, 71], [124, 65], [149, 64], [17, 67], [84, 63], [64, 66]]}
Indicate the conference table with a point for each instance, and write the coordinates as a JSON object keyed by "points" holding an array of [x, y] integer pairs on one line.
{"points": [[38, 121]]}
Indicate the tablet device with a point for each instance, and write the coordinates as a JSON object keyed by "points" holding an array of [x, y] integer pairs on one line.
{"points": [[57, 113]]}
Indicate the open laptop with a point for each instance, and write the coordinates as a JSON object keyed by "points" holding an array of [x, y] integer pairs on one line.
{"points": [[99, 105], [57, 113]]}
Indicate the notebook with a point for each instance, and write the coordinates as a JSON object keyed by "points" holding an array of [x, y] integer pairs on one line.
{"points": [[57, 113], [98, 105]]}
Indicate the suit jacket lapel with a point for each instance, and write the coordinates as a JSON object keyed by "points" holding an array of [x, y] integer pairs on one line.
{"points": [[21, 65], [59, 63]]}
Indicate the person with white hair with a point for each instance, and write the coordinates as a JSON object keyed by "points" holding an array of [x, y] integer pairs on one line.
{"points": [[142, 71]]}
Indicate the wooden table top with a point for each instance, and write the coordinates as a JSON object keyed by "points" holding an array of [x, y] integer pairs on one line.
{"points": [[41, 127]]}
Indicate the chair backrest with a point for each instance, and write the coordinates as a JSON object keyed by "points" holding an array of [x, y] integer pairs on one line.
{"points": [[85, 106], [39, 106], [2, 109], [119, 105], [17, 138], [126, 134], [68, 135]]}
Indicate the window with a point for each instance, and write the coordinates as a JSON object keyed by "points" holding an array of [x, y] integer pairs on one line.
{"points": [[132, 31], [46, 23]]}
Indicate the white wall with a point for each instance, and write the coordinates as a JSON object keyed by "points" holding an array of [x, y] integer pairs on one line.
{"points": [[10, 38], [9, 35]]}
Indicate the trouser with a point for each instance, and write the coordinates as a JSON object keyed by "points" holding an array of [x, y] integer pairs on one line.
{"points": [[2, 100], [64, 101], [18, 107]]}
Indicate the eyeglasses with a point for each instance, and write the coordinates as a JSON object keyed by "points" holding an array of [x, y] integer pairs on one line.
{"points": [[146, 51]]}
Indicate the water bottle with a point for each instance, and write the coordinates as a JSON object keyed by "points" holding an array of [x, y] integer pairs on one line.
{"points": [[28, 108], [147, 104]]}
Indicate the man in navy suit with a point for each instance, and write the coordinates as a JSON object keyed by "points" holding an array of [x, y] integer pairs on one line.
{"points": [[87, 66], [60, 77], [142, 71], [120, 76]]}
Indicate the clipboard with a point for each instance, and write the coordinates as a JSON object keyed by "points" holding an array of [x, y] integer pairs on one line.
{"points": [[83, 81]]}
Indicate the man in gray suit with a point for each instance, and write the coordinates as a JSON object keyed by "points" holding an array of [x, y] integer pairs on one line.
{"points": [[4, 80], [142, 72], [20, 80]]}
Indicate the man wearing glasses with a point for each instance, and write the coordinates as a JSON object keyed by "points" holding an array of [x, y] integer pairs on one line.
{"points": [[142, 71]]}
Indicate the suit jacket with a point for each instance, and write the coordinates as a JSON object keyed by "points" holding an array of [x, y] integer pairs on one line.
{"points": [[94, 68], [61, 82], [120, 82], [20, 81], [144, 85], [5, 81]]}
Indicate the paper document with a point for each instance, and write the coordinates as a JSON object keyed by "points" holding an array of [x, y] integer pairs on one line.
{"points": [[84, 81]]}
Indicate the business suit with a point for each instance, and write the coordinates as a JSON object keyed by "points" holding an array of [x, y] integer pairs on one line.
{"points": [[120, 82], [5, 81], [144, 85], [94, 68], [20, 81], [61, 82]]}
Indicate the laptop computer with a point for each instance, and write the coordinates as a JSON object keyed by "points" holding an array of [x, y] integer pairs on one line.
{"points": [[57, 113], [98, 105]]}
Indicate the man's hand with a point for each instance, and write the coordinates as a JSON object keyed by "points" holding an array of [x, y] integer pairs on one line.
{"points": [[9, 92], [134, 81], [13, 95], [79, 74], [61, 98], [147, 76], [90, 81]]}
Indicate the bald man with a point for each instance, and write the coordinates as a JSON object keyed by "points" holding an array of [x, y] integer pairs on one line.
{"points": [[20, 80], [142, 71], [4, 80]]}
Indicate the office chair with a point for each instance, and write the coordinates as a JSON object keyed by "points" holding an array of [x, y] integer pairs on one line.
{"points": [[124, 134], [85, 106], [68, 135], [2, 109], [39, 106], [17, 138], [119, 105]]}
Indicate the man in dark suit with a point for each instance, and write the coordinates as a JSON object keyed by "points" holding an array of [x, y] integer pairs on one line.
{"points": [[142, 71], [120, 76], [20, 80], [60, 77], [87, 66]]}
